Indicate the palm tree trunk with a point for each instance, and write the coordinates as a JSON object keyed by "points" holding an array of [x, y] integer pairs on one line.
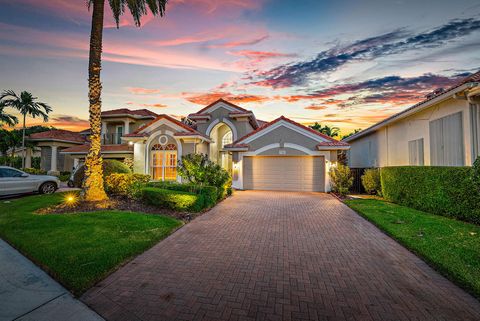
{"points": [[93, 185], [23, 141]]}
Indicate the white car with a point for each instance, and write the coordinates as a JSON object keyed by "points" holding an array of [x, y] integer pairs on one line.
{"points": [[15, 181]]}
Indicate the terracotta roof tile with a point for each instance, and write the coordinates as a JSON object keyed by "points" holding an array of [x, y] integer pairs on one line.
{"points": [[222, 101], [59, 134], [123, 111], [331, 141], [162, 116]]}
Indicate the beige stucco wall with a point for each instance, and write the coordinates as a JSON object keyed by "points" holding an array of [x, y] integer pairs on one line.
{"points": [[242, 127], [283, 135], [389, 145]]}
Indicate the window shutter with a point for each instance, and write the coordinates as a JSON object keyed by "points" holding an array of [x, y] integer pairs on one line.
{"points": [[446, 141], [475, 124]]}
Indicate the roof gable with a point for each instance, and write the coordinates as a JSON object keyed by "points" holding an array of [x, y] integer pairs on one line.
{"points": [[288, 123], [164, 119], [221, 103]]}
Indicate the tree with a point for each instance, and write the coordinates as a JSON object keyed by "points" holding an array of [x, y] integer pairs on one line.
{"points": [[5, 118], [27, 105], [93, 185], [352, 133], [327, 130]]}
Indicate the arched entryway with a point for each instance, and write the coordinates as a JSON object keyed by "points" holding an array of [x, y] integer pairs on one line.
{"points": [[163, 162], [221, 135]]}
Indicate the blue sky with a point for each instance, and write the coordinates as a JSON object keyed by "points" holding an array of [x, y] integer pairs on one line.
{"points": [[343, 63]]}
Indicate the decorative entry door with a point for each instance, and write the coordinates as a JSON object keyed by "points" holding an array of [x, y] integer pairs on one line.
{"points": [[164, 162]]}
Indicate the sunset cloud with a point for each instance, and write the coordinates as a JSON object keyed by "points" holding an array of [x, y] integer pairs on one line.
{"points": [[142, 91], [207, 98], [239, 43], [395, 42]]}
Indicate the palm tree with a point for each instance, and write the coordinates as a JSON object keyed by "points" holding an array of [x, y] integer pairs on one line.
{"points": [[327, 130], [93, 184], [27, 105], [5, 118]]}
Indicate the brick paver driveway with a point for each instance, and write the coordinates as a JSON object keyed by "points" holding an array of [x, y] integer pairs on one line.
{"points": [[279, 256]]}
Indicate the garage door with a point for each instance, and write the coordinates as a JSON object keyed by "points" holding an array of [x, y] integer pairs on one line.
{"points": [[284, 173]]}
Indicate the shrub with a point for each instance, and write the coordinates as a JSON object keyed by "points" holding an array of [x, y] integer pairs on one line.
{"points": [[109, 166], [341, 179], [371, 181], [448, 191], [64, 176], [476, 173], [198, 169], [210, 193], [125, 184], [35, 171], [175, 200]]}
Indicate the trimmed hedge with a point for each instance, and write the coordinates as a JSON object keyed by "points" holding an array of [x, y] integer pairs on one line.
{"points": [[447, 191], [209, 192], [175, 200], [109, 166]]}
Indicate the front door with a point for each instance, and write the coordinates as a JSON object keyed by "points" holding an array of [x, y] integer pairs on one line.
{"points": [[164, 162]]}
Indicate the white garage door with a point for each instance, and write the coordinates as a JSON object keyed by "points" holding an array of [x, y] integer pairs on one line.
{"points": [[284, 173]]}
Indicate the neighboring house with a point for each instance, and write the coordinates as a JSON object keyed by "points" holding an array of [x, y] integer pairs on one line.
{"points": [[276, 155], [442, 130], [51, 143]]}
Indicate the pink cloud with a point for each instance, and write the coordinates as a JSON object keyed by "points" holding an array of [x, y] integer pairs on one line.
{"points": [[142, 91], [239, 43]]}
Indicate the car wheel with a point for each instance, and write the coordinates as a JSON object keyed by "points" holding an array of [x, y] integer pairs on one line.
{"points": [[70, 183], [48, 188]]}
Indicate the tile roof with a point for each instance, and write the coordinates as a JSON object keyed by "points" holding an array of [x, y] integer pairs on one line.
{"points": [[104, 148], [330, 141], [221, 100], [126, 111], [473, 78], [59, 134], [164, 116]]}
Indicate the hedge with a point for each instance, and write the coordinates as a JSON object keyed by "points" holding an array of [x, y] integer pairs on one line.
{"points": [[175, 200], [125, 184], [209, 192], [109, 166], [447, 191]]}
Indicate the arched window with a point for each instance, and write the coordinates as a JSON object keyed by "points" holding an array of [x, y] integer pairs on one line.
{"points": [[163, 162], [227, 139]]}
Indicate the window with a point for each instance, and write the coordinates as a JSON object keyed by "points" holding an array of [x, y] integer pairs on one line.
{"points": [[164, 162], [119, 135], [446, 141], [415, 152], [475, 119], [8, 172], [227, 139]]}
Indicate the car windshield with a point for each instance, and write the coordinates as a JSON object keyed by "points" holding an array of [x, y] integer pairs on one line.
{"points": [[9, 172]]}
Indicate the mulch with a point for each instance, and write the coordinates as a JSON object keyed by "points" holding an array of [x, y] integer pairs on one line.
{"points": [[116, 203]]}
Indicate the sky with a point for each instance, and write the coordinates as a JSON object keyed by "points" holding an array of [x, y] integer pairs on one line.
{"points": [[345, 63]]}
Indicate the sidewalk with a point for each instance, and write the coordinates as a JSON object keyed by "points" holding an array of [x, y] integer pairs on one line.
{"points": [[28, 293]]}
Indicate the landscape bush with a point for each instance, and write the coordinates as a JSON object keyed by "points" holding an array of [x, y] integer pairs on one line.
{"points": [[174, 200], [341, 179], [371, 181], [64, 176], [199, 170], [125, 184], [35, 171], [448, 191], [210, 193], [109, 166]]}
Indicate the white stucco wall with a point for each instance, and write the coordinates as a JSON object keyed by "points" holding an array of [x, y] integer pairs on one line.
{"points": [[388, 146]]}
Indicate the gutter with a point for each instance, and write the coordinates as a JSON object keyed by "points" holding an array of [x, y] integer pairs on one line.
{"points": [[409, 111]]}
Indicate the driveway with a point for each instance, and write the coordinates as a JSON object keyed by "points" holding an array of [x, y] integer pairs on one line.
{"points": [[279, 256]]}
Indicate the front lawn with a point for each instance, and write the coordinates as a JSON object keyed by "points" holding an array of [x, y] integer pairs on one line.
{"points": [[451, 246], [79, 249]]}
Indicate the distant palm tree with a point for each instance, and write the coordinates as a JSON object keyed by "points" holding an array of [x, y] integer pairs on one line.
{"points": [[5, 118], [327, 130], [27, 105], [93, 184]]}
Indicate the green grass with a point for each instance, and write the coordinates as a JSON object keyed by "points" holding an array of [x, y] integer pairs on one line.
{"points": [[79, 249], [452, 247]]}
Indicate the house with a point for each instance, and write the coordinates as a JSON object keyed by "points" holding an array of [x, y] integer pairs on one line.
{"points": [[276, 155], [62, 150], [442, 130]]}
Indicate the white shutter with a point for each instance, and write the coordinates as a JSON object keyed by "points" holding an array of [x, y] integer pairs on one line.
{"points": [[446, 141]]}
